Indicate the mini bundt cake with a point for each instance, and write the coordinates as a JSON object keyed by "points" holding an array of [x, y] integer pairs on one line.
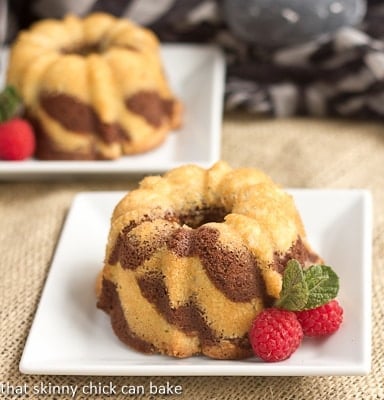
{"points": [[193, 256], [94, 88]]}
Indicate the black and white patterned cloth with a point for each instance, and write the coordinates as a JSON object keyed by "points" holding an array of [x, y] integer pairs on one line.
{"points": [[341, 74]]}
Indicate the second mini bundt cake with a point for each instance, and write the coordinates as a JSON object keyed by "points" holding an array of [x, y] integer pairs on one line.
{"points": [[194, 256], [94, 88]]}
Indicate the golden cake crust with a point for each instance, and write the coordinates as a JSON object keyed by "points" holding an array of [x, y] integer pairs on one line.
{"points": [[193, 256], [95, 88]]}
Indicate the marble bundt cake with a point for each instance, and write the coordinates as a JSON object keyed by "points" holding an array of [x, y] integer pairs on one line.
{"points": [[94, 88], [193, 256]]}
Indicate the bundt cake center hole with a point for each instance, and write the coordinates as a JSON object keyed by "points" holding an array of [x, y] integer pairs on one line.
{"points": [[200, 216], [85, 49]]}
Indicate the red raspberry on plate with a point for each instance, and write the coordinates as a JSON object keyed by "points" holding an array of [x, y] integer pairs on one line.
{"points": [[322, 320], [17, 140], [275, 334]]}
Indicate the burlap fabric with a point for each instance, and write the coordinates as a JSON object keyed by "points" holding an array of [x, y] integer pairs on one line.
{"points": [[302, 153]]}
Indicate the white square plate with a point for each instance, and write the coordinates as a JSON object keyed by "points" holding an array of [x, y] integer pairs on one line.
{"points": [[69, 335], [196, 75]]}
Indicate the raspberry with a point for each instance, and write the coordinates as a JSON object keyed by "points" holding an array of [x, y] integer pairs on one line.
{"points": [[275, 334], [17, 140], [322, 320]]}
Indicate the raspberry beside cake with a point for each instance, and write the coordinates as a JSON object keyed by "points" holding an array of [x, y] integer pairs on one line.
{"points": [[94, 88], [194, 256]]}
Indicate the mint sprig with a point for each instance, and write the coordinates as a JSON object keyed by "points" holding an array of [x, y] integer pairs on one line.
{"points": [[10, 102], [305, 289], [323, 285], [294, 292]]}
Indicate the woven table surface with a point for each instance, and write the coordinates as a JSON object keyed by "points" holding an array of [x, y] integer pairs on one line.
{"points": [[301, 153]]}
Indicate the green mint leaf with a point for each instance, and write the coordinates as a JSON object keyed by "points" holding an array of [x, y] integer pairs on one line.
{"points": [[10, 102], [294, 293], [322, 283]]}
